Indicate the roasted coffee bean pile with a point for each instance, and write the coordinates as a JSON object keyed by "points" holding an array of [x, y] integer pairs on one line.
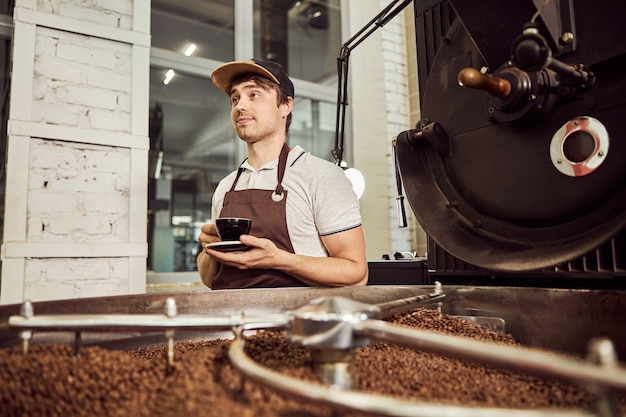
{"points": [[52, 381]]}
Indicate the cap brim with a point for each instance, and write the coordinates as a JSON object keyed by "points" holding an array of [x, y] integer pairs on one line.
{"points": [[225, 73]]}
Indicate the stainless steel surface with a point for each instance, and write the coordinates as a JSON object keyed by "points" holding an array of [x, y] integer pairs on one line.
{"points": [[228, 303], [495, 324], [395, 306], [557, 319], [333, 323]]}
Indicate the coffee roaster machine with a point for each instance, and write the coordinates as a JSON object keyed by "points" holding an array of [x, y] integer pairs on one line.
{"points": [[516, 165], [515, 172]]}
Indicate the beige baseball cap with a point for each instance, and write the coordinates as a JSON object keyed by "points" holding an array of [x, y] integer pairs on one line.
{"points": [[223, 75]]}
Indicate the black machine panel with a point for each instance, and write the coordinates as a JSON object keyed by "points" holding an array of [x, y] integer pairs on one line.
{"points": [[518, 161]]}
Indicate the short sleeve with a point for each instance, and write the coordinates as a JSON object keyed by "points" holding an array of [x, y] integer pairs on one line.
{"points": [[336, 206]]}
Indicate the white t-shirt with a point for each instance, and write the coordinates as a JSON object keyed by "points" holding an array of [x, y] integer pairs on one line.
{"points": [[320, 198]]}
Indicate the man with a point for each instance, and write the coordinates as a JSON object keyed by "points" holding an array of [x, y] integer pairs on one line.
{"points": [[306, 223]]}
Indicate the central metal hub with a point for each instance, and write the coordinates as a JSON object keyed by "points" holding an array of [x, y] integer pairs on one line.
{"points": [[326, 325]]}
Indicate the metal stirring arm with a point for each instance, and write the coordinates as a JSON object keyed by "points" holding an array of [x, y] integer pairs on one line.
{"points": [[142, 322], [585, 374], [589, 375], [354, 400], [28, 322]]}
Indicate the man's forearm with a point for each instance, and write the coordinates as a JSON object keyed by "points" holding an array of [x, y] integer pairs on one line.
{"points": [[345, 265], [332, 272]]}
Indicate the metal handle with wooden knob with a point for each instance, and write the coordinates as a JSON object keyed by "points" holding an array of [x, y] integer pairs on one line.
{"points": [[498, 87]]}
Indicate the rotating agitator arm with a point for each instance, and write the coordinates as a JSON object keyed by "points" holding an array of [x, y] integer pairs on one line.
{"points": [[333, 328]]}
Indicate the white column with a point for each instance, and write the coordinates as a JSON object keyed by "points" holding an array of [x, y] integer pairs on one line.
{"points": [[76, 198], [379, 109]]}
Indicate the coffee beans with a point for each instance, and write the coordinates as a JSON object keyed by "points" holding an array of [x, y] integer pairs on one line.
{"points": [[52, 381]]}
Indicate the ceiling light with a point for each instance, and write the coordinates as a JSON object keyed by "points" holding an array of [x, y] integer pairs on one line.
{"points": [[190, 49], [168, 76]]}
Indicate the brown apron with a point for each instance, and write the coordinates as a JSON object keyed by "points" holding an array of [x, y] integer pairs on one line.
{"points": [[267, 209]]}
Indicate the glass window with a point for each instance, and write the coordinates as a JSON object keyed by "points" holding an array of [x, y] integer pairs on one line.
{"points": [[209, 25], [6, 7], [192, 147], [303, 36], [313, 127], [192, 142]]}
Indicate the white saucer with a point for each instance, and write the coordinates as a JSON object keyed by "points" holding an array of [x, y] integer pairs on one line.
{"points": [[227, 246]]}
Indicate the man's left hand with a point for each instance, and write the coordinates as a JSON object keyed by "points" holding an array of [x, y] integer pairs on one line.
{"points": [[262, 253]]}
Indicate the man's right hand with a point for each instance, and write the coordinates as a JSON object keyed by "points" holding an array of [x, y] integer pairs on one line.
{"points": [[207, 265], [208, 234]]}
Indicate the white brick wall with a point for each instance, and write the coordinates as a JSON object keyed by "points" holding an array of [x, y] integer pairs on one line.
{"points": [[380, 112], [53, 279], [114, 13], [396, 75], [81, 81], [78, 193], [75, 218]]}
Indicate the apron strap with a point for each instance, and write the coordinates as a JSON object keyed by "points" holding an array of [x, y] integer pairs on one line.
{"points": [[282, 164], [239, 171]]}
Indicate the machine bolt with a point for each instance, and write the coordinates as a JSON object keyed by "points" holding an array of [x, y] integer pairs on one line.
{"points": [[27, 311], [601, 351], [170, 307], [170, 311], [567, 37]]}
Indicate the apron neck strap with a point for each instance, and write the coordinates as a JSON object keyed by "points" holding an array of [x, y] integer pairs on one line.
{"points": [[282, 164]]}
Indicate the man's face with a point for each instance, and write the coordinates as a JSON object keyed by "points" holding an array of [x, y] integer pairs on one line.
{"points": [[255, 112]]}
